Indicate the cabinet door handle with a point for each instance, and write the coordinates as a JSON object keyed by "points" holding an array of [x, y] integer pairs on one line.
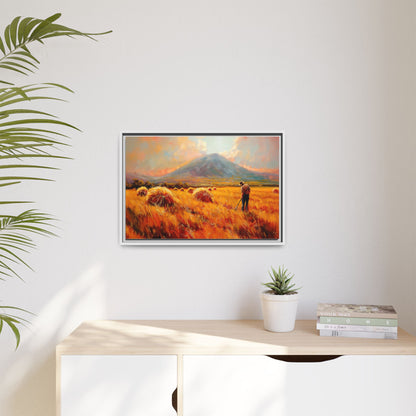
{"points": [[304, 358], [175, 399]]}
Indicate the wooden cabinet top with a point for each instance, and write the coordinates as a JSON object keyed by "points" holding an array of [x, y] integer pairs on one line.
{"points": [[220, 337]]}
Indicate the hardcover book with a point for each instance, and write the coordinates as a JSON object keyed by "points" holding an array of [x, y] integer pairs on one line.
{"points": [[343, 320], [357, 311], [356, 328], [356, 334]]}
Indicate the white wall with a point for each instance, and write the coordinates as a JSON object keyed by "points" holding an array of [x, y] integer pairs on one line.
{"points": [[401, 149], [337, 77]]}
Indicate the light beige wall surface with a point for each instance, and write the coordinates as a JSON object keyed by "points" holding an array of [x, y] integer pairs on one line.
{"points": [[337, 77]]}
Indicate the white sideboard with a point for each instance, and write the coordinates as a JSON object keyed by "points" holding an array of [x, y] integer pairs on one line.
{"points": [[223, 368]]}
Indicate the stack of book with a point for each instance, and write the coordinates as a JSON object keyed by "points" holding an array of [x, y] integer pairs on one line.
{"points": [[357, 321]]}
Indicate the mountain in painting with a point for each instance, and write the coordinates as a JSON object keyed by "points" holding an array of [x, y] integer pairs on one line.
{"points": [[212, 167]]}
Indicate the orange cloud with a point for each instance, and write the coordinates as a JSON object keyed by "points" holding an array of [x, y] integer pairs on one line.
{"points": [[255, 153], [157, 156], [272, 171]]}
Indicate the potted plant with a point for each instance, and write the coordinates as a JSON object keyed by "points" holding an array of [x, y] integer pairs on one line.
{"points": [[280, 301]]}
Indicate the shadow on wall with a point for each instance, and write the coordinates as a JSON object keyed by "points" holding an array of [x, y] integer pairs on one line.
{"points": [[28, 386]]}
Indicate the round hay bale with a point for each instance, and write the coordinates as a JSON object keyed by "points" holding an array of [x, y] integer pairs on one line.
{"points": [[191, 190], [214, 189], [142, 191], [160, 196], [209, 189], [276, 190], [182, 189], [203, 195]]}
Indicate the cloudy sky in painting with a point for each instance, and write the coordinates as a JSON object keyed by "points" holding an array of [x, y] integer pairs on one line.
{"points": [[158, 156]]}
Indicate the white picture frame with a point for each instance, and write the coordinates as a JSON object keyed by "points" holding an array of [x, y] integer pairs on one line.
{"points": [[124, 183]]}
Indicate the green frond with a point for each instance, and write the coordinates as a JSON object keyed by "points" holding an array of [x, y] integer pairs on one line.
{"points": [[15, 202], [15, 236], [20, 33], [19, 136], [13, 321], [13, 112], [27, 133]]}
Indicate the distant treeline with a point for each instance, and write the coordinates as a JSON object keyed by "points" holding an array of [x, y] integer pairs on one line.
{"points": [[136, 183]]}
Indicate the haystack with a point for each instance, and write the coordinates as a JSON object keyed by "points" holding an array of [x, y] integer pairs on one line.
{"points": [[203, 195], [142, 191], [182, 189], [191, 190], [160, 196], [276, 190]]}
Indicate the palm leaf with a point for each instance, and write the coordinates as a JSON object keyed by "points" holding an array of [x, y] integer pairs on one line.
{"points": [[12, 320], [19, 136], [21, 32], [25, 134], [15, 236]]}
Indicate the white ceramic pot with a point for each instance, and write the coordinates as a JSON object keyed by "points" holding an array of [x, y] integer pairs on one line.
{"points": [[279, 311]]}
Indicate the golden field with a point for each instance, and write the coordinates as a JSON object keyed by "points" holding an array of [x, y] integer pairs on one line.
{"points": [[189, 218]]}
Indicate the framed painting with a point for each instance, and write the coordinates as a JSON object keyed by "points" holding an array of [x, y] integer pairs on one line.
{"points": [[202, 189]]}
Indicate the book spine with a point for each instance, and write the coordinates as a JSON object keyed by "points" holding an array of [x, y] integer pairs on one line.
{"points": [[336, 320], [380, 315], [389, 329], [356, 334]]}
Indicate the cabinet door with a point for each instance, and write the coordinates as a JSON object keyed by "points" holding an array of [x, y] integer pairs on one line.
{"points": [[259, 385], [117, 385], [233, 386], [353, 385]]}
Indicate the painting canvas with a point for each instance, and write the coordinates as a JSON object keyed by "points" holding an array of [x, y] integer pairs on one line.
{"points": [[202, 189]]}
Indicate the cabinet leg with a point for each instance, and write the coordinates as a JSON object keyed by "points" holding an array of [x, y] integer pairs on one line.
{"points": [[179, 390]]}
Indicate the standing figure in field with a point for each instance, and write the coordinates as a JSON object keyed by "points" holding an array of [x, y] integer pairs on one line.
{"points": [[245, 195]]}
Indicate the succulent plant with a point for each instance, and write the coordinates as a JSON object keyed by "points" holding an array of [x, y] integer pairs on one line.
{"points": [[281, 282]]}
